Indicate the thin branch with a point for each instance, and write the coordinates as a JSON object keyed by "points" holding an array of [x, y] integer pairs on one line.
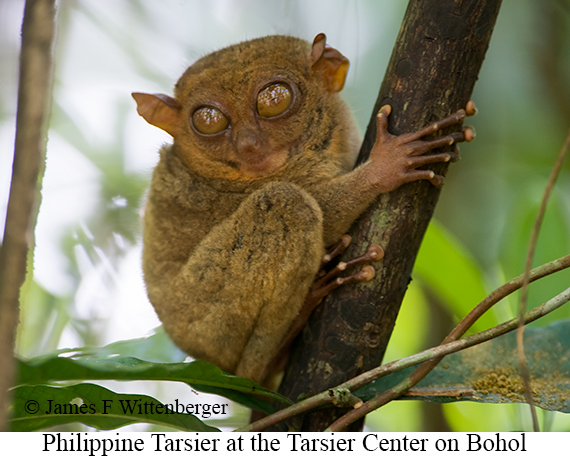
{"points": [[324, 398], [472, 340], [460, 329], [440, 393], [34, 101], [524, 293]]}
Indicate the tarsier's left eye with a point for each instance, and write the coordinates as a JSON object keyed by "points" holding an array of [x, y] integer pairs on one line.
{"points": [[274, 100]]}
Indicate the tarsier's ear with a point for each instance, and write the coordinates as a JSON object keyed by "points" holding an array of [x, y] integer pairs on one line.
{"points": [[159, 110], [329, 63]]}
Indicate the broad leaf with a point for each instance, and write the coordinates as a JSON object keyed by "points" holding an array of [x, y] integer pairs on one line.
{"points": [[489, 372], [201, 375], [157, 347], [39, 407]]}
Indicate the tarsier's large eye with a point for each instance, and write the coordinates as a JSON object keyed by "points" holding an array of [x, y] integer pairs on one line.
{"points": [[274, 100], [209, 120]]}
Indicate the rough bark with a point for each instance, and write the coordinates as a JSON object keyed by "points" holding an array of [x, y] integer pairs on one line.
{"points": [[34, 101], [434, 65]]}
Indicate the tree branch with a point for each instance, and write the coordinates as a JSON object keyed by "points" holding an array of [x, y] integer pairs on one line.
{"points": [[524, 293], [437, 57], [34, 103]]}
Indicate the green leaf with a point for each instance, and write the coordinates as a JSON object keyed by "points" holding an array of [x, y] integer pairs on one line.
{"points": [[157, 347], [201, 375], [446, 267], [40, 407], [491, 371]]}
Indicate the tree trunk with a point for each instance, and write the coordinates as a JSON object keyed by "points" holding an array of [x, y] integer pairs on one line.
{"points": [[34, 103], [434, 65]]}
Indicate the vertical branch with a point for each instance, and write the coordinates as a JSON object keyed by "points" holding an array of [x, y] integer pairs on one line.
{"points": [[524, 294], [434, 65], [34, 103]]}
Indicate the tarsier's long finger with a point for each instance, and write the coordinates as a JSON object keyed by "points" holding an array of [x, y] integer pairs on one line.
{"points": [[324, 276], [428, 175], [372, 254], [338, 248], [365, 274], [420, 161], [455, 118], [466, 134]]}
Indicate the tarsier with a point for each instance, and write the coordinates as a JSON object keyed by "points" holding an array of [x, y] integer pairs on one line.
{"points": [[258, 183]]}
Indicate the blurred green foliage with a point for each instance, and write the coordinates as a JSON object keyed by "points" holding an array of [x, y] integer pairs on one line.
{"points": [[100, 155]]}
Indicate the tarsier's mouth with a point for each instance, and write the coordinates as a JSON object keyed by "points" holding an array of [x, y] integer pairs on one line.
{"points": [[262, 165]]}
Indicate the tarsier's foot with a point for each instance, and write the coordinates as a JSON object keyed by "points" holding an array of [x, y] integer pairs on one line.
{"points": [[397, 158], [328, 279]]}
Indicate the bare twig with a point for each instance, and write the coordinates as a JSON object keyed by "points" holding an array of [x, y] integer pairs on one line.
{"points": [[444, 349], [34, 100], [436, 353], [441, 393], [524, 292], [493, 298]]}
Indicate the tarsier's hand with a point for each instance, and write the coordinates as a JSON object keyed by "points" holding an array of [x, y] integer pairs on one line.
{"points": [[395, 159]]}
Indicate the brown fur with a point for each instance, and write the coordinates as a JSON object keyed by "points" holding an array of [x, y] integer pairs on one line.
{"points": [[230, 249]]}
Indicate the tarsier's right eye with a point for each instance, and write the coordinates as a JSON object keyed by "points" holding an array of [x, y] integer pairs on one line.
{"points": [[209, 120]]}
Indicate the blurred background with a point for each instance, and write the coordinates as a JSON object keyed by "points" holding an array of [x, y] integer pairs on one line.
{"points": [[86, 288]]}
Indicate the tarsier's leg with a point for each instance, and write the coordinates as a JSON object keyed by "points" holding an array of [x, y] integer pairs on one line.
{"points": [[247, 280]]}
